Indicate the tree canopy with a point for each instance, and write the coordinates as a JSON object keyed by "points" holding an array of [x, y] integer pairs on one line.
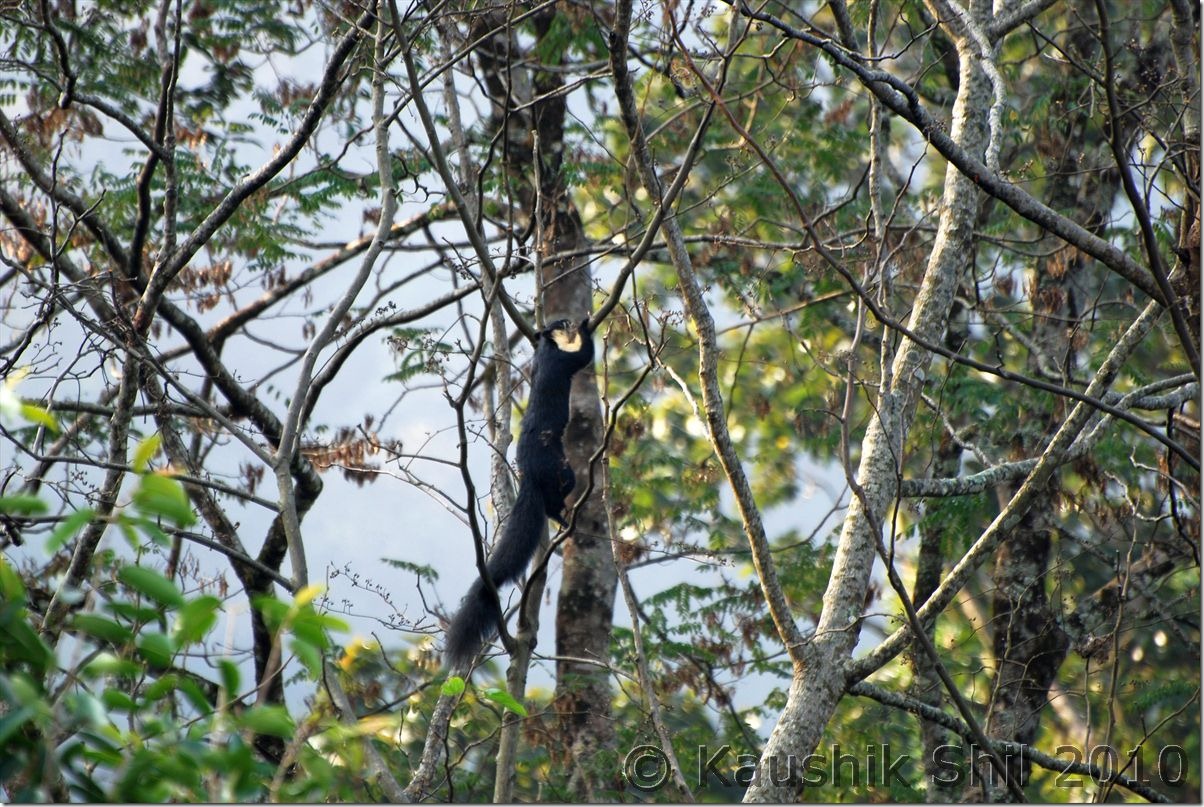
{"points": [[888, 471]]}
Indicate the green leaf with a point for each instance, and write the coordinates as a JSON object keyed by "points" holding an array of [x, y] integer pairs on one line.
{"points": [[150, 529], [310, 631], [118, 701], [26, 692], [161, 495], [1174, 692], [161, 688], [67, 529], [146, 451], [422, 571], [453, 686], [36, 414], [125, 524], [131, 612], [274, 611], [22, 504], [550, 49], [156, 648], [12, 590], [310, 656], [102, 628], [504, 699], [86, 707], [100, 750], [195, 695], [109, 664], [196, 619], [272, 720], [19, 642], [230, 676], [152, 584], [332, 623]]}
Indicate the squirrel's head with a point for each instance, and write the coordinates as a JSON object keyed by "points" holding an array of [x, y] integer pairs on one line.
{"points": [[568, 336]]}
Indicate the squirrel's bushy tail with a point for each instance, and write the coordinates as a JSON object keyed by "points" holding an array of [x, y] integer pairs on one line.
{"points": [[473, 624], [476, 621]]}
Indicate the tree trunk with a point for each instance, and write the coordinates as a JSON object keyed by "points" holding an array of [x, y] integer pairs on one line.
{"points": [[1029, 643], [564, 289], [585, 606]]}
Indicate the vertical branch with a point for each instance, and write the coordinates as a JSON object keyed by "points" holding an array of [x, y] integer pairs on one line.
{"points": [[878, 272], [290, 432], [439, 160], [171, 183], [375, 763], [498, 382], [922, 638], [528, 614], [498, 407], [163, 125], [708, 348], [816, 687], [420, 783], [927, 678], [975, 34], [506, 759]]}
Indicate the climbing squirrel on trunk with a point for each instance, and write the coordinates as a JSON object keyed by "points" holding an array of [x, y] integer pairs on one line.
{"points": [[545, 479]]}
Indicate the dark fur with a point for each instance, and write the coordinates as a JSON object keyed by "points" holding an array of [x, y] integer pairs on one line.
{"points": [[545, 480]]}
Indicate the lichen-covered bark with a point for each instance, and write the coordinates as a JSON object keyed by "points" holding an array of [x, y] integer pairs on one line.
{"points": [[819, 683], [1185, 44]]}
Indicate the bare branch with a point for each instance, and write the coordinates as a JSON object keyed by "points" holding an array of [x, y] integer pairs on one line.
{"points": [[171, 265]]}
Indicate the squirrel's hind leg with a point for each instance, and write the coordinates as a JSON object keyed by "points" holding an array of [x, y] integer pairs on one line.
{"points": [[556, 490]]}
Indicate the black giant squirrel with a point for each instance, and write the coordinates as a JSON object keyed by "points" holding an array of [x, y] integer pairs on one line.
{"points": [[561, 349]]}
